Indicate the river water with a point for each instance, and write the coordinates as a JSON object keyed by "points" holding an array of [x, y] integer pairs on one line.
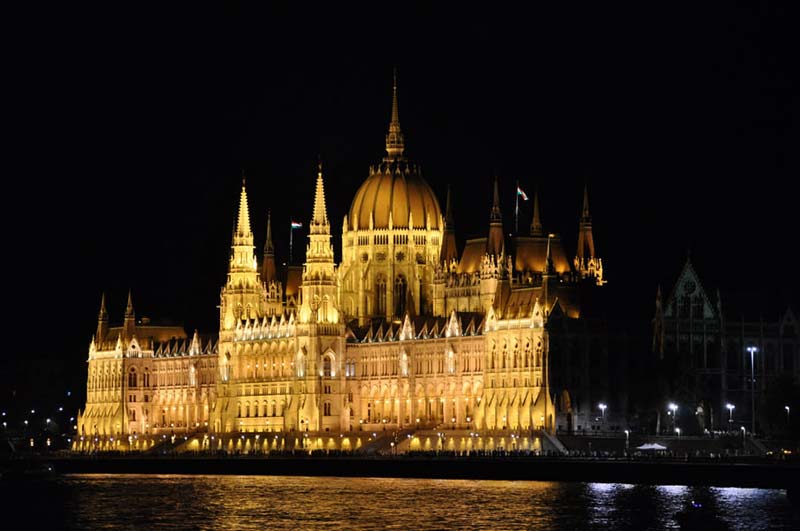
{"points": [[299, 503]]}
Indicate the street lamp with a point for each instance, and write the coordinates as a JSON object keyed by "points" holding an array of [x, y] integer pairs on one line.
{"points": [[752, 350], [673, 407], [787, 413], [678, 431], [744, 432], [603, 409], [730, 407], [627, 438]]}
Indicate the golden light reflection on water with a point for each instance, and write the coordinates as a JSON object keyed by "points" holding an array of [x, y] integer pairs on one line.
{"points": [[297, 503]]}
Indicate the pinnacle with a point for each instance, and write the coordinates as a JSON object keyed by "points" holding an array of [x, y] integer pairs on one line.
{"points": [[320, 216], [243, 223]]}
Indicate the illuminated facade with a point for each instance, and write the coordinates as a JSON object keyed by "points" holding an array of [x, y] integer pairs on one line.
{"points": [[404, 334]]}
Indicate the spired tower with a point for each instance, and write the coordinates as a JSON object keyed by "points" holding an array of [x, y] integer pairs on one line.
{"points": [[242, 296], [587, 264], [391, 237], [320, 332]]}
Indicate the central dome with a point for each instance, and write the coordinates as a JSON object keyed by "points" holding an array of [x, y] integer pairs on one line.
{"points": [[397, 188]]}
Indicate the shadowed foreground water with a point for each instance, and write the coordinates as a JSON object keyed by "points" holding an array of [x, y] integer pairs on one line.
{"points": [[296, 503]]}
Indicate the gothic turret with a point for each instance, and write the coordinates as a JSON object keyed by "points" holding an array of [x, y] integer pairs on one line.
{"points": [[129, 324], [587, 263], [318, 291], [242, 295]]}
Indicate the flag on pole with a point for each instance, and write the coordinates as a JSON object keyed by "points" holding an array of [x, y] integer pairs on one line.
{"points": [[297, 225], [522, 193]]}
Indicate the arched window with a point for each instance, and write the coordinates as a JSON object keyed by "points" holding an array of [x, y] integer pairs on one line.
{"points": [[274, 410], [132, 380], [380, 295], [239, 414], [326, 409], [326, 366], [146, 377], [400, 292], [247, 409]]}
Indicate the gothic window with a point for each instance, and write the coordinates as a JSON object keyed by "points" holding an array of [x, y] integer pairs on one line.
{"points": [[380, 295], [400, 292], [516, 356], [247, 409], [326, 366], [132, 381], [504, 356], [326, 409], [527, 353], [146, 377], [274, 409], [239, 413]]}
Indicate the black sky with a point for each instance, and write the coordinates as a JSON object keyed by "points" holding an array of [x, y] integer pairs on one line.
{"points": [[129, 130]]}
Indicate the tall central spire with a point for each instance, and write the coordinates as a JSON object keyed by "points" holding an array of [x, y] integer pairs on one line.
{"points": [[243, 223], [395, 143], [320, 217]]}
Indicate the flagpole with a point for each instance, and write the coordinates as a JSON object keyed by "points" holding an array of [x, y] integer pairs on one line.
{"points": [[516, 210]]}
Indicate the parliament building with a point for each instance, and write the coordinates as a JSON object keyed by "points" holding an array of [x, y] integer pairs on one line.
{"points": [[405, 336]]}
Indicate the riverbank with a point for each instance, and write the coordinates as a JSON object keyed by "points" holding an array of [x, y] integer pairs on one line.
{"points": [[766, 474]]}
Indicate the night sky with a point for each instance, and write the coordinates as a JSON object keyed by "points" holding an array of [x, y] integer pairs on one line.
{"points": [[130, 131]]}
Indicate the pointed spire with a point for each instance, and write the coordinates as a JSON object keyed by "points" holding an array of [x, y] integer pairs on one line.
{"points": [[129, 324], [243, 223], [320, 216], [268, 269], [496, 214], [448, 252], [269, 247], [102, 323], [536, 223], [129, 308], [103, 315], [585, 250], [395, 143], [585, 214], [449, 222], [496, 242], [548, 261]]}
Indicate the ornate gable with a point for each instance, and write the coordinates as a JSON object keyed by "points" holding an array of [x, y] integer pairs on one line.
{"points": [[688, 293]]}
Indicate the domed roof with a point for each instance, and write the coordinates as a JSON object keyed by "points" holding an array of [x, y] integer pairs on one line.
{"points": [[399, 189], [395, 187]]}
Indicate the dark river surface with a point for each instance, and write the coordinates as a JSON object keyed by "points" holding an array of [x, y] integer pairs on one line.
{"points": [[297, 503]]}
